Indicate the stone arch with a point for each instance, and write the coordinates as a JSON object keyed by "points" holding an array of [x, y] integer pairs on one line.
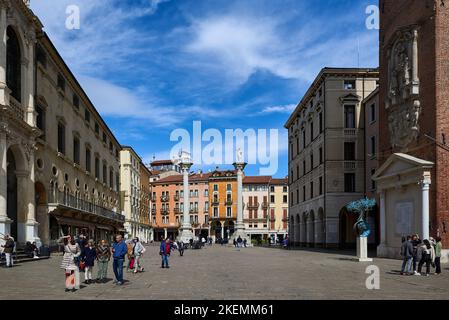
{"points": [[42, 216], [304, 229], [321, 228], [347, 237], [298, 230], [311, 229]]}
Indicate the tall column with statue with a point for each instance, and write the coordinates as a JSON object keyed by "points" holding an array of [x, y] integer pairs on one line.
{"points": [[186, 231], [240, 226]]}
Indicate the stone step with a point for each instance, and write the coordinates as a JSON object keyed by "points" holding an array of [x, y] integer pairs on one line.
{"points": [[22, 259]]}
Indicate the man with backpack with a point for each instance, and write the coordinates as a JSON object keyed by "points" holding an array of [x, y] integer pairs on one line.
{"points": [[164, 251]]}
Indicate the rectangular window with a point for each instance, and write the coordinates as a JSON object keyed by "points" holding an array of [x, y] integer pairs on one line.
{"points": [[215, 187], [303, 139], [349, 182], [88, 155], [311, 162], [272, 199], [304, 193], [97, 168], [105, 174], [311, 190], [229, 187], [61, 82], [320, 186], [350, 117], [76, 150], [61, 138], [105, 139], [215, 212], [76, 101], [41, 56], [297, 173], [111, 178], [97, 128], [350, 85], [284, 199], [373, 147], [349, 151], [373, 183], [311, 131], [372, 117], [321, 155], [304, 169], [229, 212], [321, 122], [40, 120]]}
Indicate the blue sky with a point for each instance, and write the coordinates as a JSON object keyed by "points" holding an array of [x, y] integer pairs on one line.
{"points": [[152, 66]]}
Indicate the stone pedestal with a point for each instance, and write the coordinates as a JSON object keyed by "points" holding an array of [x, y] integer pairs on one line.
{"points": [[362, 250]]}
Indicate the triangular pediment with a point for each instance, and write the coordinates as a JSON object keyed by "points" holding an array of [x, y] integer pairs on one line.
{"points": [[400, 163], [350, 98]]}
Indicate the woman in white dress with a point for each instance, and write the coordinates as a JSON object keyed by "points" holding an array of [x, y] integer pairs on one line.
{"points": [[71, 251]]}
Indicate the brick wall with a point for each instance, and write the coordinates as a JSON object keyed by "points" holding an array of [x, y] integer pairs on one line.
{"points": [[433, 47]]}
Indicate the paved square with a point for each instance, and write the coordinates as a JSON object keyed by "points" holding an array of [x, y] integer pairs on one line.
{"points": [[225, 273]]}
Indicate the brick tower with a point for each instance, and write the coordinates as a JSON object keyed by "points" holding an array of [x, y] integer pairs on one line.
{"points": [[414, 94]]}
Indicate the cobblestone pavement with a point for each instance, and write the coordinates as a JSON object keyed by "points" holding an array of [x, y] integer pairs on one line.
{"points": [[224, 273]]}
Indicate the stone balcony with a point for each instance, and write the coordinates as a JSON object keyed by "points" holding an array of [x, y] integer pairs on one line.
{"points": [[64, 200]]}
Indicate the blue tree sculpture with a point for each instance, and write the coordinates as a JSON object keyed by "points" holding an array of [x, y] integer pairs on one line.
{"points": [[361, 207]]}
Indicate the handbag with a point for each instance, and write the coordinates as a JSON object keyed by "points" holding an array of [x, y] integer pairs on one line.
{"points": [[69, 279], [82, 265]]}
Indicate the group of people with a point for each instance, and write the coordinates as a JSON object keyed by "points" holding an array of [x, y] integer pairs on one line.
{"points": [[417, 253], [81, 254], [239, 242]]}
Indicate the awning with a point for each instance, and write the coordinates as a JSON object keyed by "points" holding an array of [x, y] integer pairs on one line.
{"points": [[74, 222], [103, 227]]}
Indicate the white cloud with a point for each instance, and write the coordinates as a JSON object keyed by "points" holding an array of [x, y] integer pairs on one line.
{"points": [[279, 109]]}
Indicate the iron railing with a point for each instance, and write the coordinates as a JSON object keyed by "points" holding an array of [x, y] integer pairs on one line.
{"points": [[67, 200]]}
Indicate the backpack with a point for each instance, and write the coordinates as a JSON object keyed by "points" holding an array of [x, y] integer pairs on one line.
{"points": [[167, 248]]}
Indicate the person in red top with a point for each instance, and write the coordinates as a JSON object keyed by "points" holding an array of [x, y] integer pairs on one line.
{"points": [[165, 250]]}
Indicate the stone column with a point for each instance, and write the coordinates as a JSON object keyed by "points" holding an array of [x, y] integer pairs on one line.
{"points": [[240, 226], [425, 208], [3, 54], [5, 222], [222, 230], [29, 99], [186, 227]]}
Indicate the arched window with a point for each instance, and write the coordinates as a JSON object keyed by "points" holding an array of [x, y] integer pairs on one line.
{"points": [[13, 64]]}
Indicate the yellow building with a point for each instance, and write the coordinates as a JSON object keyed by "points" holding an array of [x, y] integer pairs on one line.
{"points": [[278, 216], [223, 203]]}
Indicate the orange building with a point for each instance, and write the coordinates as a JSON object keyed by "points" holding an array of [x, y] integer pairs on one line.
{"points": [[145, 233], [223, 203], [168, 205]]}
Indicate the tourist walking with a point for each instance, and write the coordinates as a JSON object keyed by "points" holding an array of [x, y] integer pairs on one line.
{"points": [[245, 242], [138, 251], [165, 252], [103, 257], [235, 243], [89, 256], [426, 253], [407, 255], [72, 251], [119, 251], [438, 249], [181, 248], [8, 250]]}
